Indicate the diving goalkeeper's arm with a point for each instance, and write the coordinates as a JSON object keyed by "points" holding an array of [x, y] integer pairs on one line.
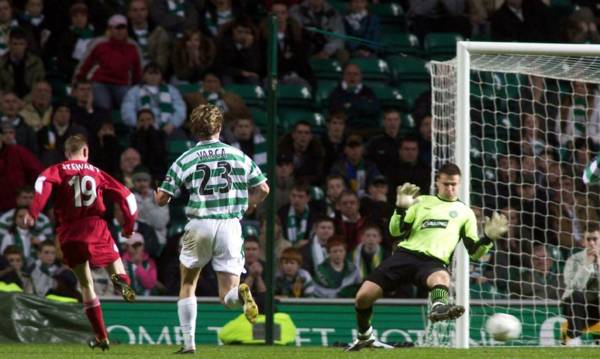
{"points": [[405, 197]]}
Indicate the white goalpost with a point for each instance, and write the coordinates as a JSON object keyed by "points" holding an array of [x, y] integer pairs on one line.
{"points": [[484, 103]]}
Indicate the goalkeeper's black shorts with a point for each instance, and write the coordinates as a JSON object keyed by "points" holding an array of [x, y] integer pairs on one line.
{"points": [[403, 267]]}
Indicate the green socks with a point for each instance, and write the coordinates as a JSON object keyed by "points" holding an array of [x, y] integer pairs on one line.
{"points": [[438, 295]]}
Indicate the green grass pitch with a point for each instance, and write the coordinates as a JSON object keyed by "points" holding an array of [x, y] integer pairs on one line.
{"points": [[62, 351]]}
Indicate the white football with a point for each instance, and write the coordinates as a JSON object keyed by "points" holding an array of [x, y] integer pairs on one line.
{"points": [[503, 327]]}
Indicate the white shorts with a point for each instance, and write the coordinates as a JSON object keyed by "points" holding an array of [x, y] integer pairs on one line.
{"points": [[216, 239]]}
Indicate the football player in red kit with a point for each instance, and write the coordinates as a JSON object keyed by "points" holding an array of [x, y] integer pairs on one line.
{"points": [[82, 233]]}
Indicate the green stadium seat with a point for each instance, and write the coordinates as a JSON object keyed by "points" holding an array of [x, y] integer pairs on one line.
{"points": [[176, 147], [253, 95], [289, 119], [321, 98], [389, 14], [188, 88], [400, 43], [408, 68], [340, 5], [294, 96], [326, 69], [411, 90], [389, 96], [250, 228], [373, 69], [441, 45]]}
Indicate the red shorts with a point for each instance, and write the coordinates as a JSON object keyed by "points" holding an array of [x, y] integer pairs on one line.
{"points": [[87, 240]]}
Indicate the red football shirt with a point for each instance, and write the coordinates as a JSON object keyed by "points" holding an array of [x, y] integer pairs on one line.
{"points": [[79, 187]]}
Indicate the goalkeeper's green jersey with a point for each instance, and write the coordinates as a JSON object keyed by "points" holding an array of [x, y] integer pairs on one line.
{"points": [[433, 226]]}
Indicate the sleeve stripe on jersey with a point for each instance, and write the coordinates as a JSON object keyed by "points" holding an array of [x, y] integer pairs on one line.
{"points": [[131, 203], [223, 202], [39, 184], [167, 187], [253, 182]]}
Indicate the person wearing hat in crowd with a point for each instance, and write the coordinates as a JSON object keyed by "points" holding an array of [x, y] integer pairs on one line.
{"points": [[162, 99], [19, 69], [356, 170], [51, 138], [148, 211], [139, 266], [116, 64], [10, 105], [150, 142]]}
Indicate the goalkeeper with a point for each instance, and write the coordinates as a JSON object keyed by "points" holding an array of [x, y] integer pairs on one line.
{"points": [[430, 227]]}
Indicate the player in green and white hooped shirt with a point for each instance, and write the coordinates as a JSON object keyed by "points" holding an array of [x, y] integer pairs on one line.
{"points": [[223, 184], [430, 227]]}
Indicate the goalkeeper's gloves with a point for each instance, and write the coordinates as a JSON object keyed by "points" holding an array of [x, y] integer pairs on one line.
{"points": [[405, 195], [496, 226]]}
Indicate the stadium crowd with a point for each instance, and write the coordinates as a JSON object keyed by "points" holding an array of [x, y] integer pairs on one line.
{"points": [[126, 74]]}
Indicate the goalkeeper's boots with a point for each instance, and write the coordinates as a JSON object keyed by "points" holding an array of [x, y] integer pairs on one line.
{"points": [[250, 307], [363, 340], [126, 291], [445, 312], [102, 344], [183, 350]]}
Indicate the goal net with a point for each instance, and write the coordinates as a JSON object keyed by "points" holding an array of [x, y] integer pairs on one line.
{"points": [[534, 122]]}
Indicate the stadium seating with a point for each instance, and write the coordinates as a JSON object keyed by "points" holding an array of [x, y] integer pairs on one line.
{"points": [[408, 69], [289, 118], [389, 96], [441, 45], [321, 98], [391, 16], [253, 95], [411, 90], [400, 43], [373, 69], [176, 147], [188, 88], [290, 97], [325, 69]]}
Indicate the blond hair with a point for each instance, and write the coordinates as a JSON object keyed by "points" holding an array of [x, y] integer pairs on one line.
{"points": [[74, 144], [205, 121]]}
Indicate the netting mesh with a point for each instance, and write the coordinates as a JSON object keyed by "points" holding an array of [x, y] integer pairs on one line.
{"points": [[535, 124]]}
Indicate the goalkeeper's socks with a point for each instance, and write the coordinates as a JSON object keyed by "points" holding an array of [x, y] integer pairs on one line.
{"points": [[438, 295], [94, 313], [232, 299], [187, 310], [363, 319]]}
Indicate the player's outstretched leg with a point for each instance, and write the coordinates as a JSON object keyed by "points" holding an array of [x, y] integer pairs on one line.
{"points": [[440, 309], [233, 295], [187, 308], [368, 293], [121, 280], [249, 305]]}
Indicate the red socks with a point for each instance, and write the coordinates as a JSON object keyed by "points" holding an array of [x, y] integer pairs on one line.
{"points": [[94, 314]]}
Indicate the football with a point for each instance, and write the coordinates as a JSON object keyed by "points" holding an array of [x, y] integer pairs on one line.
{"points": [[503, 327]]}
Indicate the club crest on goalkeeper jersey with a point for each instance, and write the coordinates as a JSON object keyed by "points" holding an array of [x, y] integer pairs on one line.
{"points": [[217, 177], [436, 226]]}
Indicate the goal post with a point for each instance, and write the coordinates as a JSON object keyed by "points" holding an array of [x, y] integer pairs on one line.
{"points": [[452, 139]]}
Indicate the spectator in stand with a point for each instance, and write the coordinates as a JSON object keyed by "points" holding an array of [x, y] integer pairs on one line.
{"points": [[150, 142], [34, 19], [358, 22], [581, 27], [321, 15], [19, 68], [151, 243], [44, 268], [337, 276], [192, 57], [83, 111], [18, 167], [570, 215], [579, 114], [408, 168], [247, 138], [217, 14], [297, 217], [507, 171], [280, 243], [580, 301], [438, 16], [116, 64], [369, 253], [103, 286], [292, 62], [51, 138], [10, 105], [334, 186], [162, 99], [425, 135], [153, 40], [239, 53], [306, 151], [538, 281], [383, 149], [212, 91], [130, 159], [38, 108], [315, 252], [74, 41], [284, 172], [349, 222], [8, 23], [139, 266], [375, 204], [353, 167], [254, 266], [292, 281], [107, 150], [333, 140], [24, 198], [357, 100], [532, 137], [148, 211], [23, 237], [524, 21], [15, 272], [175, 16]]}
